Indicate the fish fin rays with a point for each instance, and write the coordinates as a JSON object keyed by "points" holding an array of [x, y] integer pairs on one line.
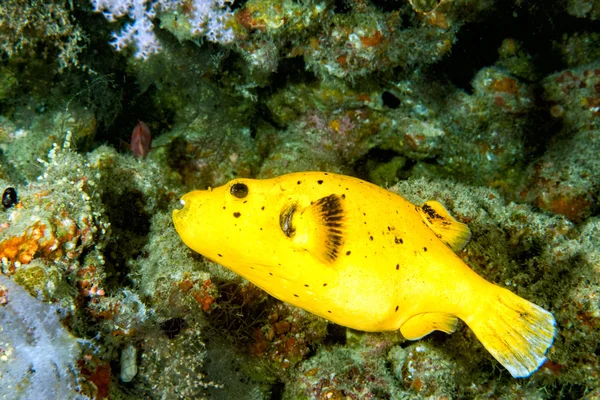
{"points": [[320, 228], [423, 324], [453, 233], [516, 332]]}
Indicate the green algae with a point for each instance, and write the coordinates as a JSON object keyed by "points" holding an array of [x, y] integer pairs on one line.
{"points": [[500, 125]]}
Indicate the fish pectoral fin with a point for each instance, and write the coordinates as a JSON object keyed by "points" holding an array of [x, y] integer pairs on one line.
{"points": [[423, 324], [455, 234], [319, 228]]}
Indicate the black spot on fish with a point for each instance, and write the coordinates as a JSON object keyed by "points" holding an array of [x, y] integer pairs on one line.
{"points": [[324, 284], [396, 309], [305, 285], [262, 208], [295, 295], [236, 214], [329, 311], [224, 208], [424, 248], [320, 182], [325, 173], [398, 240], [343, 196], [270, 273], [348, 253], [220, 255], [371, 238], [397, 267], [299, 182]]}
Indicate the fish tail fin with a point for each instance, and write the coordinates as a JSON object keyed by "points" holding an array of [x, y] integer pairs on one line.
{"points": [[516, 332]]}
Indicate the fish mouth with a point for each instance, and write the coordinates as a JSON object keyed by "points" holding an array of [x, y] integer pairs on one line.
{"points": [[180, 206]]}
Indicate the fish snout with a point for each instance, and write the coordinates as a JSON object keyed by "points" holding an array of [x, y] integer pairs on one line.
{"points": [[182, 208], [189, 202], [179, 206]]}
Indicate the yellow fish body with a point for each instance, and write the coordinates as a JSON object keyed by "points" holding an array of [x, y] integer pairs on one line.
{"points": [[362, 257]]}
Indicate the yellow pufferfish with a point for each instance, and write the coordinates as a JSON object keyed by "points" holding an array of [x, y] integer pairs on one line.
{"points": [[362, 257]]}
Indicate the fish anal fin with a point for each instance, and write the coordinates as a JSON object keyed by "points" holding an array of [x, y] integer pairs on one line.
{"points": [[320, 228], [455, 234], [423, 324]]}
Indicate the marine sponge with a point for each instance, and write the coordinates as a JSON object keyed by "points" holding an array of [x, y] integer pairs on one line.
{"points": [[37, 354]]}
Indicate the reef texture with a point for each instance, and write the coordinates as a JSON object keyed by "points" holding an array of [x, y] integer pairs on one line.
{"points": [[490, 107]]}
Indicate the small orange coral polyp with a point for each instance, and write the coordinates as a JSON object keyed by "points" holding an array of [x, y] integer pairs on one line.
{"points": [[23, 248], [244, 17], [505, 85], [204, 299], [437, 19], [186, 285], [38, 238], [373, 40]]}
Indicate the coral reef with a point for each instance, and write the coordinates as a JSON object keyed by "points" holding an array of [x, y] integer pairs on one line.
{"points": [[490, 107], [27, 25], [564, 180], [347, 372]]}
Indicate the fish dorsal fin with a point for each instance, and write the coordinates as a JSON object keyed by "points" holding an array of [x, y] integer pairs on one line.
{"points": [[318, 228], [423, 324], [455, 234]]}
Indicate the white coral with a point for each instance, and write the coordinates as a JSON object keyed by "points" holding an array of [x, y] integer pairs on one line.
{"points": [[209, 18], [37, 354]]}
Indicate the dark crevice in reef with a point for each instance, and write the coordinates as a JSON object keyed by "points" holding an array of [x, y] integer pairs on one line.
{"points": [[336, 335], [290, 72], [135, 106], [277, 390], [528, 25], [130, 226], [375, 158]]}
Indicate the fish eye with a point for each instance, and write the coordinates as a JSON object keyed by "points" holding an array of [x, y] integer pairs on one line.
{"points": [[239, 190]]}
